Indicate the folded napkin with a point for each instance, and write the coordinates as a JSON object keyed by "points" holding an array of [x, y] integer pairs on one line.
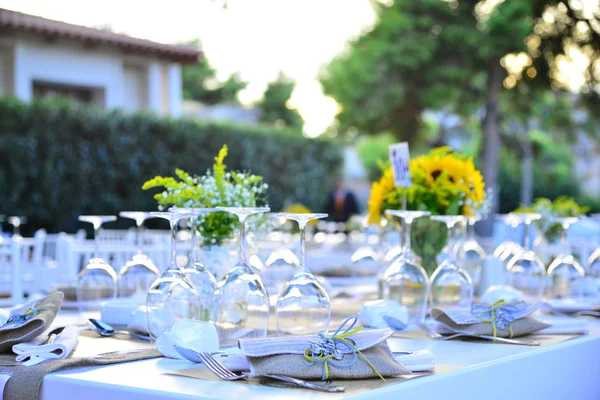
{"points": [[563, 326], [348, 353], [139, 321], [29, 321], [499, 319], [63, 345], [415, 361]]}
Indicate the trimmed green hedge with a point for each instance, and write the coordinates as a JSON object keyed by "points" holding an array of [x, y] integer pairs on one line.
{"points": [[59, 160]]}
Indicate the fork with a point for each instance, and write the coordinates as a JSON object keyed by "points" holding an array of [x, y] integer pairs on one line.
{"points": [[226, 374], [435, 335]]}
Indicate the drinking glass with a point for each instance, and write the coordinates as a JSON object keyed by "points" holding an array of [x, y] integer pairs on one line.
{"points": [[472, 252], [526, 271], [97, 281], [136, 276], [451, 285], [171, 297], [241, 302], [594, 258], [405, 281], [508, 249], [565, 270], [204, 282], [302, 307], [17, 222]]}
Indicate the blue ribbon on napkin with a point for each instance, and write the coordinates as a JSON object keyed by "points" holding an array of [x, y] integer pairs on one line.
{"points": [[500, 314], [329, 350], [25, 316]]}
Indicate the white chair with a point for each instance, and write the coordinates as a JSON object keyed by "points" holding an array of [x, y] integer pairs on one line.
{"points": [[11, 285]]}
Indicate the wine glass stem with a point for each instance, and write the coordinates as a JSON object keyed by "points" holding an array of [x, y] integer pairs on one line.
{"points": [[403, 236], [526, 238], [17, 230], [302, 226], [242, 239], [471, 231], [567, 247], [139, 233], [96, 240], [406, 231], [174, 243], [194, 239]]}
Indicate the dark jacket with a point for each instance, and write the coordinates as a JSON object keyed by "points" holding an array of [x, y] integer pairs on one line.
{"points": [[349, 208]]}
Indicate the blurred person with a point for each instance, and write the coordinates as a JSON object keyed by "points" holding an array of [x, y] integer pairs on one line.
{"points": [[341, 203]]}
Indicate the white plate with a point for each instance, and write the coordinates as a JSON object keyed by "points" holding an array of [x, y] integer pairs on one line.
{"points": [[572, 305]]}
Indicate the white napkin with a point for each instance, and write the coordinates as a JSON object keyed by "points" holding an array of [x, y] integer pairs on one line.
{"points": [[63, 345], [415, 361], [563, 326]]}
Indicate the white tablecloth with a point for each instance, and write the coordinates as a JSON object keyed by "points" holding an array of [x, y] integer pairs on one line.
{"points": [[566, 370]]}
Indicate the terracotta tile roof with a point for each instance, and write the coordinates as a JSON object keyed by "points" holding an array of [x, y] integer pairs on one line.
{"points": [[30, 23]]}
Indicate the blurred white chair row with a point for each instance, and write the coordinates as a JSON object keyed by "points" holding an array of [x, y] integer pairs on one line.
{"points": [[31, 266]]}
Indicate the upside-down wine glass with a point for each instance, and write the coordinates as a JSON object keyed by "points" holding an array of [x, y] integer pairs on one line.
{"points": [[405, 281], [138, 274], [526, 271], [17, 222], [171, 297], [302, 307], [241, 302], [565, 270], [508, 249], [97, 281], [203, 280], [451, 285], [472, 252], [594, 258]]}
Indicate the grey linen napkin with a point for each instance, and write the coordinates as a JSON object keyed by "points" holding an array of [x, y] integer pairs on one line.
{"points": [[28, 329], [25, 382], [285, 356], [465, 320]]}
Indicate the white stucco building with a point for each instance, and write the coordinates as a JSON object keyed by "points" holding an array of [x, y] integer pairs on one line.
{"points": [[39, 56]]}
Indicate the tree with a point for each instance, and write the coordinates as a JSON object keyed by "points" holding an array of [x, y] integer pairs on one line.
{"points": [[201, 84], [275, 107], [458, 56]]}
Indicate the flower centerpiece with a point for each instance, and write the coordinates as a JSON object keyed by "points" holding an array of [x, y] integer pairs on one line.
{"points": [[563, 206], [217, 187], [550, 231], [444, 183]]}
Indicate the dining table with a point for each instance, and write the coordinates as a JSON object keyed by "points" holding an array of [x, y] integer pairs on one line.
{"points": [[562, 367]]}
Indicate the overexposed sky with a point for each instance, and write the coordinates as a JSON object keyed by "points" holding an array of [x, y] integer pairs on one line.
{"points": [[257, 38]]}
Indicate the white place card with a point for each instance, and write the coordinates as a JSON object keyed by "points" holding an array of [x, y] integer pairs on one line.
{"points": [[400, 159]]}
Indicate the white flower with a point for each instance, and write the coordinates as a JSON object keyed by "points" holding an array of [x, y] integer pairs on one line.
{"points": [[160, 208], [213, 241], [165, 194]]}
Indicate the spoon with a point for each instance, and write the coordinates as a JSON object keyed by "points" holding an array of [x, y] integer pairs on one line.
{"points": [[106, 330], [394, 323]]}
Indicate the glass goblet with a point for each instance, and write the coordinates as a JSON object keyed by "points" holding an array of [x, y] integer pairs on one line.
{"points": [[564, 271], [241, 302], [451, 285], [137, 275], [508, 249], [302, 307], [473, 253], [171, 297], [405, 281], [526, 271], [203, 280], [594, 258], [97, 281]]}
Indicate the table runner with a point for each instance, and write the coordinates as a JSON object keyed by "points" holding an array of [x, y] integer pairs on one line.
{"points": [[25, 382]]}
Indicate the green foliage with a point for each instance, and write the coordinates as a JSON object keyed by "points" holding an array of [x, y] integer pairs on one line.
{"points": [[552, 173], [563, 206], [274, 106], [215, 188], [60, 160], [200, 83], [373, 151]]}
